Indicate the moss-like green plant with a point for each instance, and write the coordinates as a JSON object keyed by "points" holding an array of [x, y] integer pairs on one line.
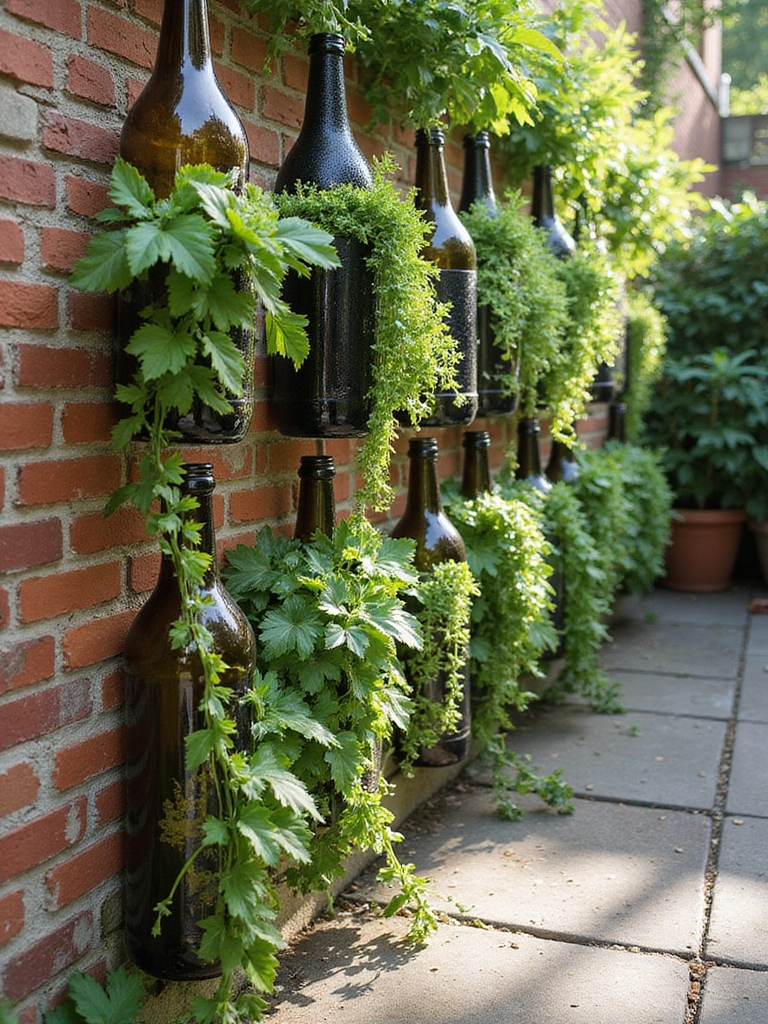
{"points": [[646, 344], [415, 354]]}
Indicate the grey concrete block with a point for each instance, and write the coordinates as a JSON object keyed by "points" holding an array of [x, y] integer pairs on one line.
{"points": [[356, 970], [753, 705], [733, 996], [748, 788], [740, 905], [612, 873], [674, 649], [729, 608], [639, 756], [757, 639], [18, 115], [676, 695]]}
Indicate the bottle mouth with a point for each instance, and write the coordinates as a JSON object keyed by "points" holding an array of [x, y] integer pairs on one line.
{"points": [[422, 446], [198, 476], [476, 439], [317, 466], [430, 137], [327, 42], [480, 141]]}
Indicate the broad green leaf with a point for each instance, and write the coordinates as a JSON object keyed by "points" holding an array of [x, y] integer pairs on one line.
{"points": [[146, 244], [255, 823], [294, 626], [129, 188], [119, 1004], [226, 306], [226, 359], [241, 888], [537, 40], [343, 761], [308, 243], [104, 268], [287, 788], [159, 351], [191, 246], [200, 745], [215, 832], [286, 335]]}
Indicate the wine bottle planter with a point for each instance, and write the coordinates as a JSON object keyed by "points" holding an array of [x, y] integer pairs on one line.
{"points": [[183, 117], [166, 803], [327, 396], [492, 367]]}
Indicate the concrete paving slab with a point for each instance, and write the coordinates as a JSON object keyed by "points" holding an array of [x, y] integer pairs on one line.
{"points": [[737, 929], [757, 641], [663, 759], [729, 608], [753, 705], [734, 996], [355, 969], [710, 651], [611, 873], [677, 695], [748, 787]]}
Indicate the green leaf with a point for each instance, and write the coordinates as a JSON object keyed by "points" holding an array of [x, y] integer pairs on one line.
{"points": [[255, 823], [343, 761], [190, 241], [287, 788], [104, 268], [241, 888], [286, 335], [226, 359], [146, 244], [159, 351], [227, 306], [200, 745], [118, 1005], [308, 243], [215, 832], [538, 41], [294, 626], [129, 189]]}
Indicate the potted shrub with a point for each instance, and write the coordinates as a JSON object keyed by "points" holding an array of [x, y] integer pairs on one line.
{"points": [[709, 415]]}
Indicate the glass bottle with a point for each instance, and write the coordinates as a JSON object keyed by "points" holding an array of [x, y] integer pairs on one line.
{"points": [[476, 476], [617, 421], [529, 469], [545, 216], [477, 187], [166, 804], [452, 250], [437, 540], [328, 395], [183, 117], [562, 465], [317, 507]]}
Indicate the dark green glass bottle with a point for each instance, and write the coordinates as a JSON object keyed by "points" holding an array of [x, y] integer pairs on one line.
{"points": [[317, 507], [476, 474], [167, 804]]}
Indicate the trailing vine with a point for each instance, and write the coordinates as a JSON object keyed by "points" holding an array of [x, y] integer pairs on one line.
{"points": [[415, 354], [646, 344]]}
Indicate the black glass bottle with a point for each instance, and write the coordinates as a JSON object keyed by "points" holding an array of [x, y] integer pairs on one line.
{"points": [[437, 540], [617, 421], [328, 395], [561, 465], [183, 117], [476, 474], [317, 508], [545, 216], [167, 804], [494, 399], [529, 469], [452, 250]]}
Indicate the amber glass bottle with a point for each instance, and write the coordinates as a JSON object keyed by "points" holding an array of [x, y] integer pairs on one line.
{"points": [[183, 117], [529, 468], [477, 187], [476, 476], [545, 216], [317, 507], [453, 252], [166, 804], [327, 395], [437, 540]]}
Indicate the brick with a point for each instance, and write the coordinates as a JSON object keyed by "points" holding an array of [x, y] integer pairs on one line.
{"points": [[82, 761], [150, 10], [110, 802], [276, 106], [263, 143], [63, 15], [42, 366], [59, 248], [27, 662], [295, 71], [11, 242], [19, 787], [90, 81], [217, 34], [44, 712], [93, 532], [25, 545], [25, 425], [25, 181], [73, 137], [86, 422], [238, 88], [229, 462], [18, 115], [41, 839], [113, 690], [43, 597], [86, 197], [259, 503], [11, 915], [115, 35], [96, 640], [143, 572], [51, 955], [248, 50], [84, 871], [5, 608], [33, 306], [91, 312], [133, 89], [25, 60], [41, 483], [285, 457]]}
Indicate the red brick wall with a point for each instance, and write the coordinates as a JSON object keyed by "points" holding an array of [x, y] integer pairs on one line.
{"points": [[70, 581]]}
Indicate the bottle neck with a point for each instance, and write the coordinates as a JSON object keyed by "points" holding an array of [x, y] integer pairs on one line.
{"points": [[317, 506], [476, 478], [199, 483], [528, 457], [431, 176], [423, 487], [326, 102], [184, 42], [477, 186], [543, 201]]}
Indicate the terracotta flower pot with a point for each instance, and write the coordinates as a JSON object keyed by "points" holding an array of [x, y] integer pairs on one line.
{"points": [[703, 550]]}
